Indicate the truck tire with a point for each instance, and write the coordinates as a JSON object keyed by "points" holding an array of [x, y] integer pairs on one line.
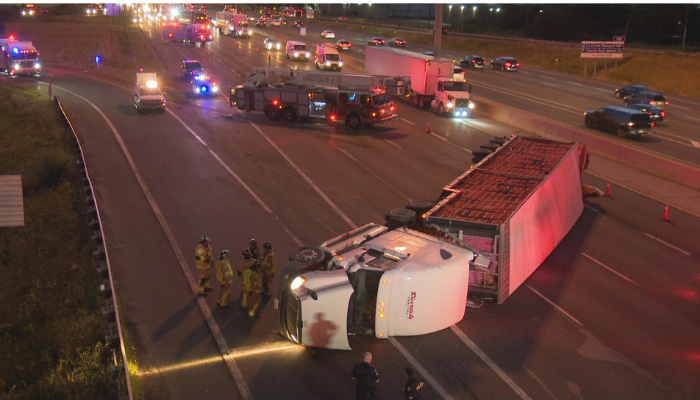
{"points": [[353, 120], [420, 207], [289, 114], [273, 113], [399, 217], [416, 100], [307, 254]]}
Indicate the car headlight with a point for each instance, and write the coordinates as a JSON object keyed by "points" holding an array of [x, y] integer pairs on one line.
{"points": [[250, 31], [37, 65], [308, 54], [278, 46], [450, 105], [471, 105], [328, 63], [214, 89], [296, 54], [340, 63], [297, 282], [196, 90], [15, 66]]}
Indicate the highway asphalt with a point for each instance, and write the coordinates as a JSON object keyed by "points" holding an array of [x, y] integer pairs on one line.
{"points": [[612, 313]]}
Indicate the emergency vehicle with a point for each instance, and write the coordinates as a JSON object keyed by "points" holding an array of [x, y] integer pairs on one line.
{"points": [[238, 27], [327, 57], [147, 94], [332, 97], [490, 230], [19, 58], [187, 33], [203, 85]]}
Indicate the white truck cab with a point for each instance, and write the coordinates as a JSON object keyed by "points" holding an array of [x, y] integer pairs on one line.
{"points": [[454, 97], [372, 281], [297, 51]]}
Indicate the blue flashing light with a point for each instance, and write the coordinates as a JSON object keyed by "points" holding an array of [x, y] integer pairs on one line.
{"points": [[15, 50], [204, 89]]}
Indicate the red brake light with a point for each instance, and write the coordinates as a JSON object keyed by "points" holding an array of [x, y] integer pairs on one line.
{"points": [[391, 108], [473, 61], [663, 113], [507, 64], [517, 65], [382, 111], [652, 124], [666, 102], [170, 34], [333, 117], [275, 102]]}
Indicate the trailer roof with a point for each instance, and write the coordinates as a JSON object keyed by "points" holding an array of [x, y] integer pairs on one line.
{"points": [[495, 189]]}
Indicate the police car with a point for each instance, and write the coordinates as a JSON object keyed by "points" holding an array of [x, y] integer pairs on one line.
{"points": [[203, 85]]}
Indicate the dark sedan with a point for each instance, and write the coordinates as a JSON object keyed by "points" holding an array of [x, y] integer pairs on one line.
{"points": [[653, 99], [505, 64], [376, 41], [472, 62], [298, 24], [398, 42], [630, 89], [655, 114]]}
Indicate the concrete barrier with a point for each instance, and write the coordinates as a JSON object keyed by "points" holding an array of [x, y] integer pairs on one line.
{"points": [[657, 164]]}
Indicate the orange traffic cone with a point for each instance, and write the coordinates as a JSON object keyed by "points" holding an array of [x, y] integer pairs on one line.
{"points": [[428, 131], [665, 218], [258, 49], [607, 190]]}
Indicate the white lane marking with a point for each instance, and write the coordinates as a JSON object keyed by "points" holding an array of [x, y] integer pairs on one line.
{"points": [[306, 177], [667, 244], [693, 118], [677, 106], [393, 143], [561, 310], [407, 121], [538, 380], [604, 90], [575, 83], [448, 142], [424, 372], [695, 144], [592, 208], [661, 133], [213, 326], [368, 170], [547, 77], [610, 269], [487, 360], [549, 84]]}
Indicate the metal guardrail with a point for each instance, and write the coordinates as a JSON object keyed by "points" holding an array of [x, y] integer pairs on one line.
{"points": [[114, 338]]}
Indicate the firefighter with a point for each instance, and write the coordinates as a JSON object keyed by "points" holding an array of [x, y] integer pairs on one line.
{"points": [[268, 268], [224, 274], [202, 256], [254, 250], [251, 283], [247, 262]]}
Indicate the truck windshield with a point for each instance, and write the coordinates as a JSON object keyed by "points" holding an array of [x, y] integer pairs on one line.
{"points": [[300, 47], [381, 99], [451, 86], [24, 56], [332, 57]]}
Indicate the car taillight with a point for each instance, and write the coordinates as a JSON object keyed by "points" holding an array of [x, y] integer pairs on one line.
{"points": [[666, 102], [275, 102], [517, 65], [507, 64], [663, 113], [473, 61], [170, 34], [333, 117], [652, 124], [392, 108]]}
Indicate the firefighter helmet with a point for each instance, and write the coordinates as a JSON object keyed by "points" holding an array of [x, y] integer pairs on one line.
{"points": [[267, 245], [247, 254], [205, 238], [253, 242], [223, 254]]}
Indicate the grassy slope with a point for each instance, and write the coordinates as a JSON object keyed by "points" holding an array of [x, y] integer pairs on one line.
{"points": [[671, 73], [51, 324]]}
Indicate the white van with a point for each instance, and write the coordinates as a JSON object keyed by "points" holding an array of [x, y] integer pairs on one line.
{"points": [[327, 57], [297, 51]]}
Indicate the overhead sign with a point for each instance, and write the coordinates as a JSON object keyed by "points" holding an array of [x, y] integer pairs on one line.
{"points": [[602, 49]]}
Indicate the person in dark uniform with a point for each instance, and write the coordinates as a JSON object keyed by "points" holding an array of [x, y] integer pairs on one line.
{"points": [[366, 379], [413, 386]]}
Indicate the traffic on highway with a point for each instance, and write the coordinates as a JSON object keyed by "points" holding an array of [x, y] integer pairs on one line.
{"points": [[409, 216]]}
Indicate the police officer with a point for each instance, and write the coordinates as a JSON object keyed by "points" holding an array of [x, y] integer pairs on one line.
{"points": [[366, 378], [247, 262], [254, 250], [224, 274], [252, 283], [413, 386], [202, 256], [268, 268]]}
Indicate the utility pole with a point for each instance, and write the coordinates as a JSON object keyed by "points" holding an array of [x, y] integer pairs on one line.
{"points": [[685, 27], [437, 35]]}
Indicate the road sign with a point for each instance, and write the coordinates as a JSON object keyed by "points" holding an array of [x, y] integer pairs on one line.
{"points": [[602, 49]]}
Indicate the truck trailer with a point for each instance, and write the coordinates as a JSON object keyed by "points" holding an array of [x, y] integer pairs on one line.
{"points": [[431, 80], [485, 235], [334, 97]]}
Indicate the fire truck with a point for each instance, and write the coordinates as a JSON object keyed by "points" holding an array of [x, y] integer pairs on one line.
{"points": [[19, 58], [187, 33], [334, 97]]}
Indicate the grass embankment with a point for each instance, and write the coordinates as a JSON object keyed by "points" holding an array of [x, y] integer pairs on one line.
{"points": [[51, 328], [672, 72], [120, 43]]}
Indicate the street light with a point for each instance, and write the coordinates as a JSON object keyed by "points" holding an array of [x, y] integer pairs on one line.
{"points": [[473, 12], [461, 12]]}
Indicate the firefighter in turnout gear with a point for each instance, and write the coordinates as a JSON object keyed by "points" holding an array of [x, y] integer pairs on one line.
{"points": [[224, 274], [251, 283], [254, 250], [202, 256], [247, 262], [268, 268]]}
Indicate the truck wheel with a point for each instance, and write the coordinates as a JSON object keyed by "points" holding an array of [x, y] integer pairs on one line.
{"points": [[416, 101], [273, 113], [420, 207], [353, 121], [307, 254], [399, 217], [289, 114]]}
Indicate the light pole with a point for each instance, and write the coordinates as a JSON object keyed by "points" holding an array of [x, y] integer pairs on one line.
{"points": [[473, 12], [685, 28], [449, 13], [461, 13], [367, 10]]}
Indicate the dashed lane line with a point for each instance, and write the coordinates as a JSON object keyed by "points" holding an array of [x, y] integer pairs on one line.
{"points": [[678, 249], [610, 269]]}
